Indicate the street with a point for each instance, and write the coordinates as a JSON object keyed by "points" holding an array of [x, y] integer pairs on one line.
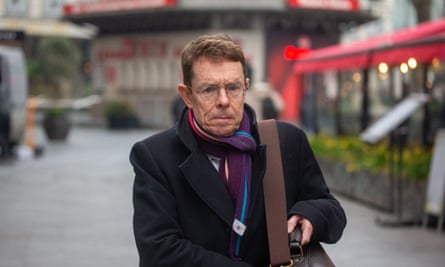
{"points": [[72, 207]]}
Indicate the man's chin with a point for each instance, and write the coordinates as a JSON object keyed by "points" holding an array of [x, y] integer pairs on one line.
{"points": [[223, 131]]}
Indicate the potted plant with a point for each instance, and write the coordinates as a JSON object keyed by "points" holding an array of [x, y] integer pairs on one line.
{"points": [[56, 123], [55, 72], [120, 114]]}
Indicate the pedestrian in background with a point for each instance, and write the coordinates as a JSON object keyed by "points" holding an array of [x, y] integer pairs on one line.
{"points": [[198, 196], [266, 101]]}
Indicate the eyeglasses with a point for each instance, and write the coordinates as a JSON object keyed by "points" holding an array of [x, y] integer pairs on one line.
{"points": [[211, 92]]}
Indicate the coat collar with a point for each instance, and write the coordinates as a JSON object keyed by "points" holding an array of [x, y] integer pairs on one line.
{"points": [[204, 178], [185, 133]]}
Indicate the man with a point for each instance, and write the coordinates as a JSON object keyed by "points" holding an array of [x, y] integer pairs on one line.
{"points": [[196, 182]]}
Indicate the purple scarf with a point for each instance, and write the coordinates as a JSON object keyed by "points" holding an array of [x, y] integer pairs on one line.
{"points": [[234, 167]]}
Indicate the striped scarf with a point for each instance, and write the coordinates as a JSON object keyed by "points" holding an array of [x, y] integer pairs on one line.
{"points": [[234, 167]]}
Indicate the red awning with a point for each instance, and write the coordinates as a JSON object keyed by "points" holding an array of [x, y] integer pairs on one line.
{"points": [[424, 51], [424, 42]]}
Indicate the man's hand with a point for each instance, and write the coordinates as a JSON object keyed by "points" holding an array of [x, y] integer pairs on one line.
{"points": [[306, 227]]}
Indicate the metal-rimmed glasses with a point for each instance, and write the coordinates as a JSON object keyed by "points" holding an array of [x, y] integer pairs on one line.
{"points": [[211, 92]]}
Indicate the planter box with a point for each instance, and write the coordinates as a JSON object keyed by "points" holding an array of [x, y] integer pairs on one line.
{"points": [[374, 189]]}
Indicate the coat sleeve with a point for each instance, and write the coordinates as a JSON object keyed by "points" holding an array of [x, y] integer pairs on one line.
{"points": [[307, 192], [158, 234]]}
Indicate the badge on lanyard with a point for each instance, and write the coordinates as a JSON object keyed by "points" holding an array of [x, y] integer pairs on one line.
{"points": [[238, 227]]}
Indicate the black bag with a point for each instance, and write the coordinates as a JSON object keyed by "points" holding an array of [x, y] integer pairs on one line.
{"points": [[310, 255]]}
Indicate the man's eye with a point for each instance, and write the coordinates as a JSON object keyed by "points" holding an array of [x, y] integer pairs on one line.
{"points": [[209, 90], [233, 87]]}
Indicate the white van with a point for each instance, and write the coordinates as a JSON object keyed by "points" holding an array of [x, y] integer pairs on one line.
{"points": [[13, 97]]}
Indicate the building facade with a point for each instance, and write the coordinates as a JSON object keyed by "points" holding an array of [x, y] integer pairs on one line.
{"points": [[39, 18], [136, 52]]}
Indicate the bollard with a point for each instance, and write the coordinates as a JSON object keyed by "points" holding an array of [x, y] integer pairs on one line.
{"points": [[30, 116], [29, 148]]}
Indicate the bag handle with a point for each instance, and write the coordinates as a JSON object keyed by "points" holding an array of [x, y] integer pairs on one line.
{"points": [[275, 196]]}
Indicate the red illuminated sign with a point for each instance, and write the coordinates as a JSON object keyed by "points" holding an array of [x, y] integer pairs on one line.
{"points": [[114, 5], [345, 5], [291, 52]]}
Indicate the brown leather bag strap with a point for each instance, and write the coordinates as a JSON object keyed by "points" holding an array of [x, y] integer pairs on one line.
{"points": [[274, 195]]}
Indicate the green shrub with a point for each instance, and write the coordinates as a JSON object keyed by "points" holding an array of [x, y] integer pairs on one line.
{"points": [[358, 155], [55, 111], [118, 108]]}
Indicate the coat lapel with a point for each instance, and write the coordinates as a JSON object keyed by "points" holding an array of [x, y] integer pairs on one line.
{"points": [[205, 180], [258, 170]]}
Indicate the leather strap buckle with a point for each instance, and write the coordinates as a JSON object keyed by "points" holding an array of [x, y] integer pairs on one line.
{"points": [[298, 254], [289, 264]]}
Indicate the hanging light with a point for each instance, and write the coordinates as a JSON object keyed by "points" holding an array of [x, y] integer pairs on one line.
{"points": [[383, 67], [356, 77], [412, 63], [435, 63], [404, 68]]}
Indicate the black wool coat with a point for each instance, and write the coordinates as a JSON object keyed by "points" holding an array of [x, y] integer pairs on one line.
{"points": [[183, 213]]}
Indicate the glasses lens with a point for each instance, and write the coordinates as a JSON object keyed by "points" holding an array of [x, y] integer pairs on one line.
{"points": [[234, 90], [211, 93]]}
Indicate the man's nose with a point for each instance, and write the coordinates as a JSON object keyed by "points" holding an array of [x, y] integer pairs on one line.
{"points": [[223, 97]]}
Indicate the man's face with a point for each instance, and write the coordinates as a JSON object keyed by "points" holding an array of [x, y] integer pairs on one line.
{"points": [[219, 113]]}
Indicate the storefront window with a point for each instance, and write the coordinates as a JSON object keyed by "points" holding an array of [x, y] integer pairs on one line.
{"points": [[326, 88], [129, 75], [350, 101], [436, 83], [165, 75], [413, 82], [152, 75], [380, 94], [120, 79], [339, 101]]}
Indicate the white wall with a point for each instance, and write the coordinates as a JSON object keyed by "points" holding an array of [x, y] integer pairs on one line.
{"points": [[154, 70]]}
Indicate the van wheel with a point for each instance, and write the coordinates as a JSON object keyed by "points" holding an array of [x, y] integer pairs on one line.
{"points": [[4, 147]]}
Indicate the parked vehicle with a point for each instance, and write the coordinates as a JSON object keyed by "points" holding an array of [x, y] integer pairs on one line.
{"points": [[13, 97]]}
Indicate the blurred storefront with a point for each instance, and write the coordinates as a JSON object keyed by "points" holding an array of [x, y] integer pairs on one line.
{"points": [[136, 53], [25, 23], [46, 28], [35, 19], [350, 86]]}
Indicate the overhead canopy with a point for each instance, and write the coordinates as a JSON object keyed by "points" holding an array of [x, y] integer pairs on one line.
{"points": [[112, 17], [423, 50], [424, 42], [47, 27]]}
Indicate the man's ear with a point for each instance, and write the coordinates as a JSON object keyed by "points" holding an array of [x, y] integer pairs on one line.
{"points": [[185, 94]]}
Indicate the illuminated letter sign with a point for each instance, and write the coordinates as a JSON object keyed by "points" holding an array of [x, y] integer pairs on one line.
{"points": [[345, 5]]}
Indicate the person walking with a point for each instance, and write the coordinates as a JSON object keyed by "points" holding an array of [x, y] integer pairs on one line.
{"points": [[267, 102], [197, 195]]}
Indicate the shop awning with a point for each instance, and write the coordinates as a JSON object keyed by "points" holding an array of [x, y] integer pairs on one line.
{"points": [[423, 50], [424, 42], [47, 28]]}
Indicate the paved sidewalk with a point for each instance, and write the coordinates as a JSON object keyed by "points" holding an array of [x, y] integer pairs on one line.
{"points": [[72, 208], [367, 244]]}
